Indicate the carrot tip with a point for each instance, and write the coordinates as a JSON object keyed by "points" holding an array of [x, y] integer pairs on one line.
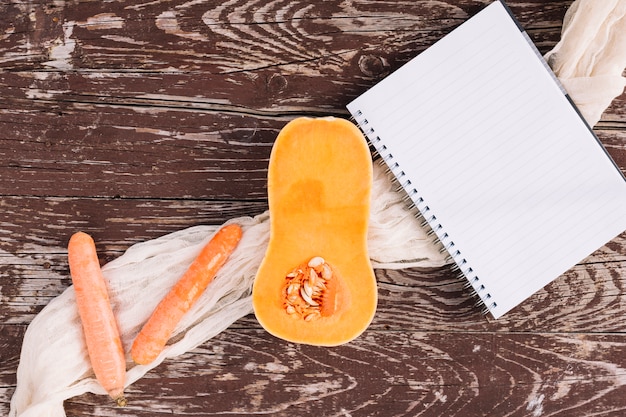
{"points": [[121, 401]]}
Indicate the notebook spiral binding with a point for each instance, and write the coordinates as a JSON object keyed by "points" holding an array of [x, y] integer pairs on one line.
{"points": [[416, 202]]}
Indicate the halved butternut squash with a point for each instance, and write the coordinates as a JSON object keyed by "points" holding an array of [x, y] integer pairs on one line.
{"points": [[316, 284]]}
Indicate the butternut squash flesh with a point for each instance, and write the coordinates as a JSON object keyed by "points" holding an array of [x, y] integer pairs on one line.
{"points": [[319, 186]]}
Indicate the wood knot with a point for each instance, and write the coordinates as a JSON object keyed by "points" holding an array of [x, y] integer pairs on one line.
{"points": [[276, 83], [373, 66]]}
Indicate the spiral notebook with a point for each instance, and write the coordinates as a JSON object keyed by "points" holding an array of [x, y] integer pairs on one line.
{"points": [[499, 162]]}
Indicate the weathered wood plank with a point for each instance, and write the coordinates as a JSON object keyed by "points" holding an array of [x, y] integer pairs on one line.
{"points": [[233, 36], [104, 152], [37, 226], [588, 298], [399, 373], [109, 151]]}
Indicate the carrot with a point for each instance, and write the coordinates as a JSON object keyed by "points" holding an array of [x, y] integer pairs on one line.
{"points": [[157, 330], [99, 325]]}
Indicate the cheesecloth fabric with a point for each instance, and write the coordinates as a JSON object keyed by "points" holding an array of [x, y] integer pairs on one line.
{"points": [[591, 56], [54, 366]]}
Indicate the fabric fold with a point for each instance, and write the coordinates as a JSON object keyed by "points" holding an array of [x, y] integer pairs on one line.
{"points": [[590, 58]]}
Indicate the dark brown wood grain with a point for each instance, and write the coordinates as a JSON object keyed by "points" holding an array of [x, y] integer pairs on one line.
{"points": [[130, 120]]}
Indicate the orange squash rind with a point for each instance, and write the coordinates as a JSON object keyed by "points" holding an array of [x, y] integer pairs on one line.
{"points": [[319, 191]]}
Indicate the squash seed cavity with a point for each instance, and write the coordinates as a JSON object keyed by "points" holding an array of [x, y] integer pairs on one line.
{"points": [[309, 290]]}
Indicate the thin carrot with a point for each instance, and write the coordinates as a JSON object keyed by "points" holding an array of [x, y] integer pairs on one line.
{"points": [[157, 330], [99, 325]]}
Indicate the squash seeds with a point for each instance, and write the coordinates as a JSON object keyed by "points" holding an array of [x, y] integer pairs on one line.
{"points": [[304, 289]]}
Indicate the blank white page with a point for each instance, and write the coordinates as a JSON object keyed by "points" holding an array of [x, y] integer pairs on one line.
{"points": [[494, 149]]}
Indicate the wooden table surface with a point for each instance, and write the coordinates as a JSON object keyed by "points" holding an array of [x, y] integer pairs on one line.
{"points": [[130, 120]]}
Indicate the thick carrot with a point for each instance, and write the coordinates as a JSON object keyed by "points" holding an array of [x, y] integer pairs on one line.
{"points": [[99, 325], [157, 330]]}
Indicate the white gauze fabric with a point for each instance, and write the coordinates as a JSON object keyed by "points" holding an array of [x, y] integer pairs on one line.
{"points": [[54, 364], [591, 56]]}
